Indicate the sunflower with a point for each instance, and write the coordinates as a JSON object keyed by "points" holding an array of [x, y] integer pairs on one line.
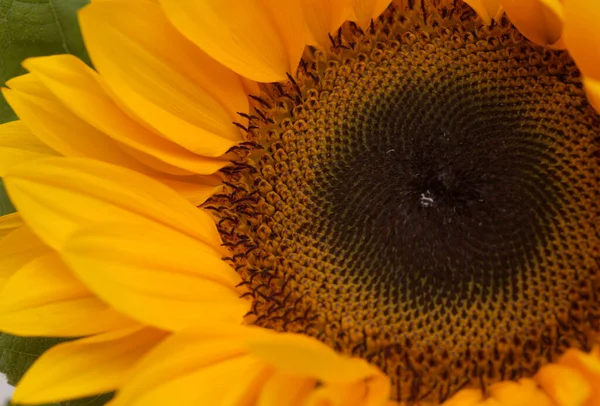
{"points": [[333, 202]]}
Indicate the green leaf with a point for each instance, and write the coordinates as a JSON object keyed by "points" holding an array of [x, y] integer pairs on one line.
{"points": [[6, 205], [18, 353], [36, 28], [91, 401], [99, 400]]}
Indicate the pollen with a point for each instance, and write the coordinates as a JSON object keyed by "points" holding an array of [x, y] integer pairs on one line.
{"points": [[423, 194]]}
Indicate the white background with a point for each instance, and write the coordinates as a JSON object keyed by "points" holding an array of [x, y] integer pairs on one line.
{"points": [[5, 390]]}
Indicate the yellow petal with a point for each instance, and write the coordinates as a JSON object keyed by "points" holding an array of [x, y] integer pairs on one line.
{"points": [[259, 39], [57, 196], [592, 90], [176, 89], [564, 385], [304, 356], [541, 21], [350, 380], [367, 10], [588, 365], [156, 275], [43, 298], [180, 355], [18, 145], [465, 397], [582, 36], [17, 249], [85, 367], [195, 191], [247, 372], [79, 88], [488, 10], [56, 126], [324, 17], [522, 393], [71, 136], [284, 389], [9, 223], [219, 354]]}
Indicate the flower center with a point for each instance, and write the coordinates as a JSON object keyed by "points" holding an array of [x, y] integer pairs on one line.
{"points": [[423, 195]]}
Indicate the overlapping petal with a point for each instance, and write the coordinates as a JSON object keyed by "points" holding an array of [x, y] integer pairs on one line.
{"points": [[324, 17], [49, 128], [87, 366], [259, 39], [9, 223], [564, 385], [588, 366], [55, 127], [81, 91], [541, 21], [18, 145], [239, 372], [175, 88], [156, 275], [168, 270], [524, 392], [58, 196], [18, 248], [43, 298], [574, 379]]}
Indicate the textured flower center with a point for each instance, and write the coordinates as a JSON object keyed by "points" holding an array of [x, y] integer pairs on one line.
{"points": [[423, 195]]}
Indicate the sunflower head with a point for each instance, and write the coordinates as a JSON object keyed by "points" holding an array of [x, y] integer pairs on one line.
{"points": [[340, 202]]}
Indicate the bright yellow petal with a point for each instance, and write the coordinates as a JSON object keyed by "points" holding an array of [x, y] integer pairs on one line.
{"points": [[79, 88], [259, 39], [466, 397], [541, 21], [582, 36], [71, 136], [488, 10], [43, 298], [176, 89], [366, 10], [18, 145], [207, 386], [522, 393], [588, 365], [86, 367], [348, 380], [9, 223], [566, 386], [324, 17], [284, 389], [220, 355], [592, 90], [301, 355], [180, 355], [57, 196], [56, 126], [196, 191], [156, 275], [17, 249]]}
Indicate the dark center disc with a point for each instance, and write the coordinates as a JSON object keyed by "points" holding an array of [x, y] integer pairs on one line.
{"points": [[423, 195]]}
